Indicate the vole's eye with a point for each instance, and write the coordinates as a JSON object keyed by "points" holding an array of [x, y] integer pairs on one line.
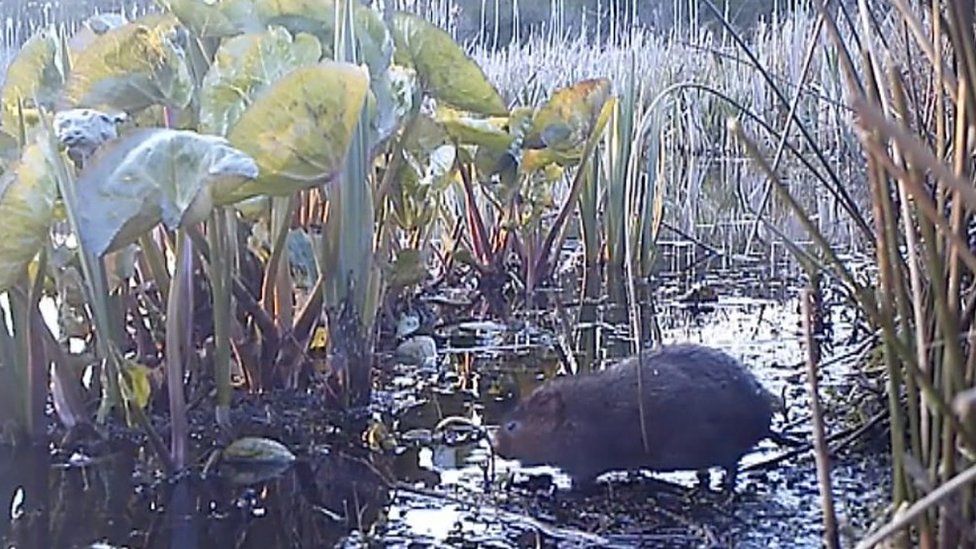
{"points": [[511, 426]]}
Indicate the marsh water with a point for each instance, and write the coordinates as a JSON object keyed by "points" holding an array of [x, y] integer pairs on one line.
{"points": [[443, 487]]}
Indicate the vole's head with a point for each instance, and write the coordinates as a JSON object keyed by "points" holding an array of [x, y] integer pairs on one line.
{"points": [[531, 432]]}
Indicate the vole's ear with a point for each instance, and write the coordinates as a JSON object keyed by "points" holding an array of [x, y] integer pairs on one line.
{"points": [[547, 402]]}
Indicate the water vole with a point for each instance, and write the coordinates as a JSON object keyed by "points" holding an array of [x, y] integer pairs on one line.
{"points": [[702, 408]]}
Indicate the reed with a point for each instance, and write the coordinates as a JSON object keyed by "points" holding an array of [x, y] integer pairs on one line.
{"points": [[909, 84]]}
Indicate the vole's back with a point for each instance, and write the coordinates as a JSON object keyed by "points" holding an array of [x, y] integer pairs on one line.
{"points": [[701, 408]]}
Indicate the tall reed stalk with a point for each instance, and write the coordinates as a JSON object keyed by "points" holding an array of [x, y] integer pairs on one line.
{"points": [[919, 178]]}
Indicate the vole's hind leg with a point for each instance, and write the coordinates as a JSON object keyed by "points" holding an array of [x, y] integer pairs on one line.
{"points": [[585, 485], [704, 477], [728, 483], [731, 475]]}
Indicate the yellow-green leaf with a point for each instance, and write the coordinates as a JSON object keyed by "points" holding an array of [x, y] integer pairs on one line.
{"points": [[154, 175], [534, 159], [34, 77], [203, 17], [566, 121], [132, 67], [243, 67], [300, 128], [137, 387], [469, 130], [27, 194], [445, 72]]}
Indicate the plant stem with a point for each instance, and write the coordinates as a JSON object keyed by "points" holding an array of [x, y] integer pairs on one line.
{"points": [[821, 451], [178, 338], [219, 277]]}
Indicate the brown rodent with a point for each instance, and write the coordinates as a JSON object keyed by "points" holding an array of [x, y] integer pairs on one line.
{"points": [[702, 408]]}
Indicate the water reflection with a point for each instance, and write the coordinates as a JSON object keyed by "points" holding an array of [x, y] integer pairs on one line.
{"points": [[317, 502]]}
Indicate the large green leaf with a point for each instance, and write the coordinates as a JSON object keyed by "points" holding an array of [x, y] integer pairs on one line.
{"points": [[132, 67], [246, 65], [300, 128], [27, 194], [154, 175], [373, 43], [484, 132], [203, 17], [35, 76], [92, 28], [445, 72], [566, 121]]}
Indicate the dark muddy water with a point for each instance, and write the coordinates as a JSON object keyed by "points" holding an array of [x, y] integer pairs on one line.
{"points": [[443, 488]]}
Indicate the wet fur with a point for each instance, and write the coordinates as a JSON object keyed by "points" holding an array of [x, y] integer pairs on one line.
{"points": [[702, 409]]}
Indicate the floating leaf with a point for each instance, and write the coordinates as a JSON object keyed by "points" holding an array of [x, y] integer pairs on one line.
{"points": [[34, 77], [246, 65], [567, 120], [445, 72], [132, 67], [257, 451], [27, 194], [155, 175], [299, 129]]}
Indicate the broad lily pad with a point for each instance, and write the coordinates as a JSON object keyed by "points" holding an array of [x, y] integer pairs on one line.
{"points": [[299, 129], [445, 72], [246, 65], [132, 67], [155, 175], [27, 194], [34, 77]]}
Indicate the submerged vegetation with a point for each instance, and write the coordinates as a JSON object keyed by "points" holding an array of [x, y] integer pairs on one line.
{"points": [[235, 204]]}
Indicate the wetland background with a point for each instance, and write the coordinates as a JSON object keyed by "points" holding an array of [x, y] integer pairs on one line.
{"points": [[580, 196]]}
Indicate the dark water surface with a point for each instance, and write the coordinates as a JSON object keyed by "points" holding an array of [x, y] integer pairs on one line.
{"points": [[444, 492]]}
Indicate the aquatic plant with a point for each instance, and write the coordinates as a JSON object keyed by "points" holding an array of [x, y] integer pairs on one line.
{"points": [[205, 189], [910, 78]]}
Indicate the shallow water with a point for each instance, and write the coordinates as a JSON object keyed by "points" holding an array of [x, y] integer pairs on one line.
{"points": [[429, 493], [778, 507]]}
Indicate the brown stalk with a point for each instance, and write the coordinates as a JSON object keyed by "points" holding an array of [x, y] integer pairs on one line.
{"points": [[821, 451]]}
